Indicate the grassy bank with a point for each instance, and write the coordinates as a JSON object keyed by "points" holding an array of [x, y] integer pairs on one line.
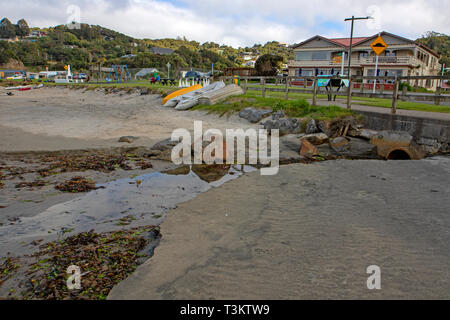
{"points": [[298, 108], [372, 102]]}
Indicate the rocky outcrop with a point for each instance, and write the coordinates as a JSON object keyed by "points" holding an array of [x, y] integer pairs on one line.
{"points": [[311, 127], [308, 150], [128, 139], [286, 126], [317, 138], [255, 115]]}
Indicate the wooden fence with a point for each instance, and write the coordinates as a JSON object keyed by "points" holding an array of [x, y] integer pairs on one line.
{"points": [[286, 86]]}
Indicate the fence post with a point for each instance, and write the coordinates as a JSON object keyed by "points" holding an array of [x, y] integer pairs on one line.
{"points": [[286, 93], [381, 88], [395, 97], [263, 87], [361, 89], [437, 100], [305, 83], [314, 101], [349, 92], [246, 85]]}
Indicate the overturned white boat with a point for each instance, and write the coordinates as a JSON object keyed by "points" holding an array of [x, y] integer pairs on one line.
{"points": [[189, 100]]}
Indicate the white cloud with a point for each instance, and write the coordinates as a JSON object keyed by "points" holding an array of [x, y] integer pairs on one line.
{"points": [[240, 22]]}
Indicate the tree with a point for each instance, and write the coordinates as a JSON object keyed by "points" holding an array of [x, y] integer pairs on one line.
{"points": [[268, 65], [22, 28], [438, 42], [7, 29]]}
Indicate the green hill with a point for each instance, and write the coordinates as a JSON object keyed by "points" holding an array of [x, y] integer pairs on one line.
{"points": [[94, 44]]}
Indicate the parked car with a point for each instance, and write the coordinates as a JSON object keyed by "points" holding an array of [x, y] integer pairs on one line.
{"points": [[196, 75]]}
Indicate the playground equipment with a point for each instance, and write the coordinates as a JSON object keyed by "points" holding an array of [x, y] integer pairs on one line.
{"points": [[119, 74]]}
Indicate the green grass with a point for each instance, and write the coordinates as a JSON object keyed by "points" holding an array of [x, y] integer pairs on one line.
{"points": [[405, 105], [372, 102], [298, 108]]}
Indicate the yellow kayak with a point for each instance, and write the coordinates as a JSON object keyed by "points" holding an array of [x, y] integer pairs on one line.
{"points": [[181, 92]]}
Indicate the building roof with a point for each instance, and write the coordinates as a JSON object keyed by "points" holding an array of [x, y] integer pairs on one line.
{"points": [[145, 72], [162, 51], [345, 42]]}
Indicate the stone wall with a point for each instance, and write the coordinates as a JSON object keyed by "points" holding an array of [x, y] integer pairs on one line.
{"points": [[432, 134]]}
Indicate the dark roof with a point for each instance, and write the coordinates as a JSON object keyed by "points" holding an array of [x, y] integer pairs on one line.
{"points": [[157, 50]]}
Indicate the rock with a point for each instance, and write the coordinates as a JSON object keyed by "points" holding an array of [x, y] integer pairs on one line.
{"points": [[324, 126], [128, 139], [285, 126], [396, 145], [145, 92], [165, 145], [311, 127], [362, 133], [339, 144], [255, 115], [291, 142], [356, 148], [317, 138], [307, 149], [278, 115]]}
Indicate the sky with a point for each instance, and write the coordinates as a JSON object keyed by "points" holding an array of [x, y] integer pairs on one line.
{"points": [[238, 22]]}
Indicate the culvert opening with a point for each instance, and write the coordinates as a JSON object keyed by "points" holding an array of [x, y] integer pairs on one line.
{"points": [[398, 155]]}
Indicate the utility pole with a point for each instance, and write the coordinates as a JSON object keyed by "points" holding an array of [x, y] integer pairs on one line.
{"points": [[352, 19]]}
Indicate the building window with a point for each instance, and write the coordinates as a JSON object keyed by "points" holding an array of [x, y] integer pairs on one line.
{"points": [[391, 53], [363, 55], [312, 55]]}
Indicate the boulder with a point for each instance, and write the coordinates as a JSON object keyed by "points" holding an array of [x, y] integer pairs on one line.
{"points": [[339, 144], [291, 142], [317, 138], [311, 127], [145, 92], [128, 139], [278, 115], [362, 133], [285, 126], [357, 149], [255, 115], [308, 150]]}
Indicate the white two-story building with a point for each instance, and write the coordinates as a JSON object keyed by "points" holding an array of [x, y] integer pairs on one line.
{"points": [[403, 57]]}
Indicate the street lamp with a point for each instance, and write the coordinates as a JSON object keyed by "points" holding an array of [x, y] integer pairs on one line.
{"points": [[352, 19], [349, 95]]}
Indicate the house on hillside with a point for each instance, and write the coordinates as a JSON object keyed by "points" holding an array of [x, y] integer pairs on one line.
{"points": [[403, 57], [162, 51], [144, 72]]}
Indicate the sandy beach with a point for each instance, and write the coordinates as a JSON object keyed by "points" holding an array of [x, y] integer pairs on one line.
{"points": [[63, 119], [308, 232]]}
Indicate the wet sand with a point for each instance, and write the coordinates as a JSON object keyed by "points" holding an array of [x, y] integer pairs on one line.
{"points": [[63, 119], [309, 232]]}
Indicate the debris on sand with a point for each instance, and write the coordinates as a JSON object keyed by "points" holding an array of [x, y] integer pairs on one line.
{"points": [[36, 183], [104, 260], [77, 184], [8, 266]]}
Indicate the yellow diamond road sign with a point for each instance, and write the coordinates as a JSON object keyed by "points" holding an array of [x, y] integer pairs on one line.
{"points": [[378, 46]]}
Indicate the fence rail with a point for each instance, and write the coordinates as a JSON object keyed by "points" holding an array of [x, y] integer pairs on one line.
{"points": [[311, 82]]}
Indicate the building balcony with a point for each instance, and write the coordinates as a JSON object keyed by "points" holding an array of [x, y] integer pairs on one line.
{"points": [[382, 60]]}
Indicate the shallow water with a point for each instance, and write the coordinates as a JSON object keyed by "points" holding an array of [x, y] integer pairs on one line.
{"points": [[139, 201]]}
